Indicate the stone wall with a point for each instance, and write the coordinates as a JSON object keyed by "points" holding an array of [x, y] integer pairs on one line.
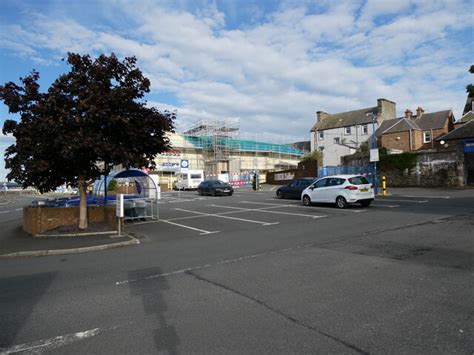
{"points": [[37, 220], [432, 169]]}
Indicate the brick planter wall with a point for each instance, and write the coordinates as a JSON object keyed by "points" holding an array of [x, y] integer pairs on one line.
{"points": [[37, 220]]}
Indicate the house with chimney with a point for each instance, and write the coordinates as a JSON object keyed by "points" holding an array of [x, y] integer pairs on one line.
{"points": [[415, 132], [340, 134]]}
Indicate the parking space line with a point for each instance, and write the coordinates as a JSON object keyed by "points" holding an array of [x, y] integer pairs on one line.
{"points": [[386, 206], [266, 211], [228, 217], [394, 200], [277, 199], [203, 232], [446, 197], [300, 205]]}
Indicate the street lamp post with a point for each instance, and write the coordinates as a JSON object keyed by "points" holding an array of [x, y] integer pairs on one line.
{"points": [[374, 146]]}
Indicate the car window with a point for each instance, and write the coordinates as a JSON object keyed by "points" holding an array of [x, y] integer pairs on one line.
{"points": [[320, 183], [293, 183], [303, 183], [335, 182], [359, 180]]}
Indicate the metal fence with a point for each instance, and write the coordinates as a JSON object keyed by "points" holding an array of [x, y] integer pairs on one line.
{"points": [[366, 171]]}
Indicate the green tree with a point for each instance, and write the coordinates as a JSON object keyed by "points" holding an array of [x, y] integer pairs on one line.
{"points": [[314, 155], [470, 94], [470, 87], [90, 119]]}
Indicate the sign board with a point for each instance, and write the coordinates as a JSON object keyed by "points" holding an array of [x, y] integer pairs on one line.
{"points": [[469, 146], [284, 176], [119, 206], [170, 165], [184, 165], [374, 154]]}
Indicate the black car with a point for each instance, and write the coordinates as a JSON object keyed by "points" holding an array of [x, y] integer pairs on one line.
{"points": [[214, 188], [294, 188]]}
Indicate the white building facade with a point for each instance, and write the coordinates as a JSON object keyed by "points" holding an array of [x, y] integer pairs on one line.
{"points": [[338, 135]]}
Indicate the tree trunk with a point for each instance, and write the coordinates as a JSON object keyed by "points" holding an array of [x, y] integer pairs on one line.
{"points": [[83, 204]]}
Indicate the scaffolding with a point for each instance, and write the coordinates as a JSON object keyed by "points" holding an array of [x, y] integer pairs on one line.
{"points": [[218, 139]]}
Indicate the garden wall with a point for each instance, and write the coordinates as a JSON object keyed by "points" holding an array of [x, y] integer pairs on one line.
{"points": [[426, 169], [37, 220]]}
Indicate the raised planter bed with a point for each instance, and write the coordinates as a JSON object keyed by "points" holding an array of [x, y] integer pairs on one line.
{"points": [[37, 220]]}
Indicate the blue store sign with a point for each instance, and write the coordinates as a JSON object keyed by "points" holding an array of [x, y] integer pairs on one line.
{"points": [[469, 146]]}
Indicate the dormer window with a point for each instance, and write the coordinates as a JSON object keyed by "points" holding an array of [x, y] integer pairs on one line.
{"points": [[426, 136], [347, 131]]}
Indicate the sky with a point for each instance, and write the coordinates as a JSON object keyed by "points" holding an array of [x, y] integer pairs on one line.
{"points": [[271, 64]]}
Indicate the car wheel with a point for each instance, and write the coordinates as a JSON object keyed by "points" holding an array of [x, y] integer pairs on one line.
{"points": [[341, 202], [365, 203], [213, 192], [200, 193], [306, 200], [280, 194], [230, 193]]}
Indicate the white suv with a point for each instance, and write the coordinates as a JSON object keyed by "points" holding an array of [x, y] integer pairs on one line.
{"points": [[339, 189]]}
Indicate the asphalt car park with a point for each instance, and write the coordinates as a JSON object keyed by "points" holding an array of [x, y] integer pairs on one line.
{"points": [[186, 213], [250, 273]]}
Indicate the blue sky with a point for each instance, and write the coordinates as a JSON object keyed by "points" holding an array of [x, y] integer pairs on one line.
{"points": [[271, 64]]}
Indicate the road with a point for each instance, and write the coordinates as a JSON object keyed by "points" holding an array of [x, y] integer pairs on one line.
{"points": [[252, 274]]}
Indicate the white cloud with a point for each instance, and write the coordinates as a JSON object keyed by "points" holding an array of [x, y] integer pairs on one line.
{"points": [[274, 75]]}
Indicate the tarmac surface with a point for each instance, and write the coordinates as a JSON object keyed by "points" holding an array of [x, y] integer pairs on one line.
{"points": [[252, 274]]}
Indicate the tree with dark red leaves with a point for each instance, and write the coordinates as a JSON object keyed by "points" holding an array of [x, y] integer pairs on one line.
{"points": [[90, 119]]}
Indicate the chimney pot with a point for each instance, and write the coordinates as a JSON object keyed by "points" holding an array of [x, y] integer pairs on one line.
{"points": [[419, 112], [408, 113]]}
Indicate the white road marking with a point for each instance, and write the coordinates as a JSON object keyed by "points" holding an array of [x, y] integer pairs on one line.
{"points": [[424, 196], [203, 232], [300, 205], [386, 206], [4, 211], [271, 204], [19, 209], [266, 211], [395, 200], [51, 343], [228, 217]]}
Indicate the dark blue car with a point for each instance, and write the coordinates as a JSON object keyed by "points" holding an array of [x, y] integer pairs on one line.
{"points": [[294, 188]]}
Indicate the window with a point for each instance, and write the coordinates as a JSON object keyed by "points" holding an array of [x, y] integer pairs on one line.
{"points": [[321, 148], [320, 183], [337, 140], [347, 131], [304, 182], [365, 129], [359, 180], [426, 136], [321, 135], [335, 182]]}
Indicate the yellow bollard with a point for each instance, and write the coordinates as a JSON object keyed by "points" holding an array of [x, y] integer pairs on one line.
{"points": [[384, 185]]}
